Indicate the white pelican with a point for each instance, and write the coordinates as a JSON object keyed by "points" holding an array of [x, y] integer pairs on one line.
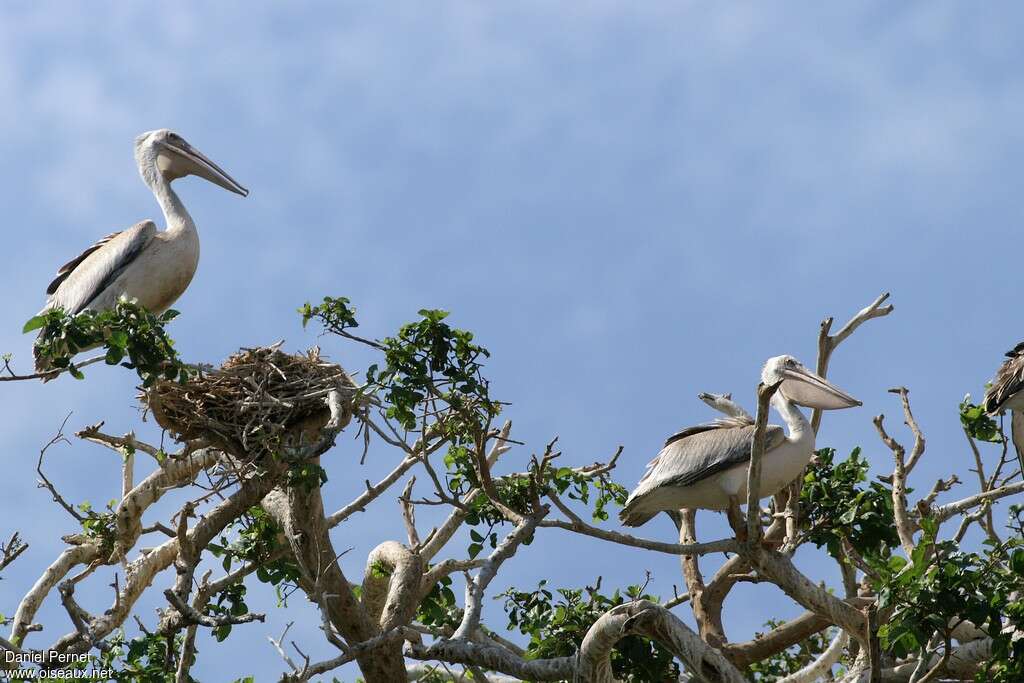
{"points": [[154, 268], [706, 466]]}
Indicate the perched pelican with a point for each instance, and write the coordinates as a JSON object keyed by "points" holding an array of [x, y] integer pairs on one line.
{"points": [[706, 466], [1005, 390], [140, 263]]}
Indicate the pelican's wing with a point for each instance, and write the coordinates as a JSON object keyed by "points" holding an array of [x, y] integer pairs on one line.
{"points": [[720, 423], [700, 452], [80, 280], [1008, 380], [691, 456]]}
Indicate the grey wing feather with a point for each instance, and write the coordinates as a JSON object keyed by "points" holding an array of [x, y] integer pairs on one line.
{"points": [[700, 452], [720, 423], [80, 280], [65, 270], [1008, 380]]}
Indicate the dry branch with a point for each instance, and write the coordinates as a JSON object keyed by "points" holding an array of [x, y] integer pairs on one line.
{"points": [[11, 550], [724, 545], [827, 344], [944, 512], [904, 525], [757, 446]]}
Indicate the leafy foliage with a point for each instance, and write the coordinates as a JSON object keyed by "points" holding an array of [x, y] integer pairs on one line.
{"points": [[978, 424], [938, 586], [557, 624], [439, 608], [432, 378], [1006, 593], [307, 475], [150, 658], [229, 602], [127, 330], [942, 586], [430, 359], [790, 660], [99, 525], [836, 504], [334, 313], [258, 542], [427, 361]]}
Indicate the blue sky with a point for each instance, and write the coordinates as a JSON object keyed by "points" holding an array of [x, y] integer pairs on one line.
{"points": [[629, 204]]}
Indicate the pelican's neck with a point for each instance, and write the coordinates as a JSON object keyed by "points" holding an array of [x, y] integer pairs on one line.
{"points": [[799, 427], [176, 216]]}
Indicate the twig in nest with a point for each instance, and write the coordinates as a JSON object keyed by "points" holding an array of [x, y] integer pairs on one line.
{"points": [[259, 402]]}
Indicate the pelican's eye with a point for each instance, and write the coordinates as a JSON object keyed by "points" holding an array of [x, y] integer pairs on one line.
{"points": [[790, 363]]}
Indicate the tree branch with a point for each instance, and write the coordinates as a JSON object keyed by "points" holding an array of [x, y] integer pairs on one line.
{"points": [[193, 616], [904, 525], [757, 446], [828, 344], [944, 512], [655, 622], [725, 545]]}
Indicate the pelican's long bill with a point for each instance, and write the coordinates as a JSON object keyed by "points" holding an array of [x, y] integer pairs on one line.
{"points": [[196, 163], [803, 387]]}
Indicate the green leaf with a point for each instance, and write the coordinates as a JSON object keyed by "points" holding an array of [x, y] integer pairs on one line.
{"points": [[1017, 562], [119, 338], [34, 323], [114, 355]]}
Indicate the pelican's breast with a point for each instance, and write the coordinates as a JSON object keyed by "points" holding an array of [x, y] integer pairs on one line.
{"points": [[784, 463], [162, 271]]}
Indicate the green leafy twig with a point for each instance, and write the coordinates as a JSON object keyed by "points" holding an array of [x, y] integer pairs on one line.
{"points": [[132, 337]]}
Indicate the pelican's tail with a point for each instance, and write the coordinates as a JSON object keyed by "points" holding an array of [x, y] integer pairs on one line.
{"points": [[635, 512]]}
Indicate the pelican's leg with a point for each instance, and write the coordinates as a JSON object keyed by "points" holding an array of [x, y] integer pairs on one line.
{"points": [[1017, 432]]}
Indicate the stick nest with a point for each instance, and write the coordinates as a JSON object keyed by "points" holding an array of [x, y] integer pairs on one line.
{"points": [[257, 403]]}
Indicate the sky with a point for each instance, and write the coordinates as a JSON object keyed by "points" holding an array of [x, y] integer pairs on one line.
{"points": [[628, 203]]}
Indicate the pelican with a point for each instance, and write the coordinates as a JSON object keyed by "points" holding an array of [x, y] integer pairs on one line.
{"points": [[140, 263], [706, 466], [1006, 391]]}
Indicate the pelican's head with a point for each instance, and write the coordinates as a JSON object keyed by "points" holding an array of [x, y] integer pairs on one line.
{"points": [[165, 152], [803, 387]]}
